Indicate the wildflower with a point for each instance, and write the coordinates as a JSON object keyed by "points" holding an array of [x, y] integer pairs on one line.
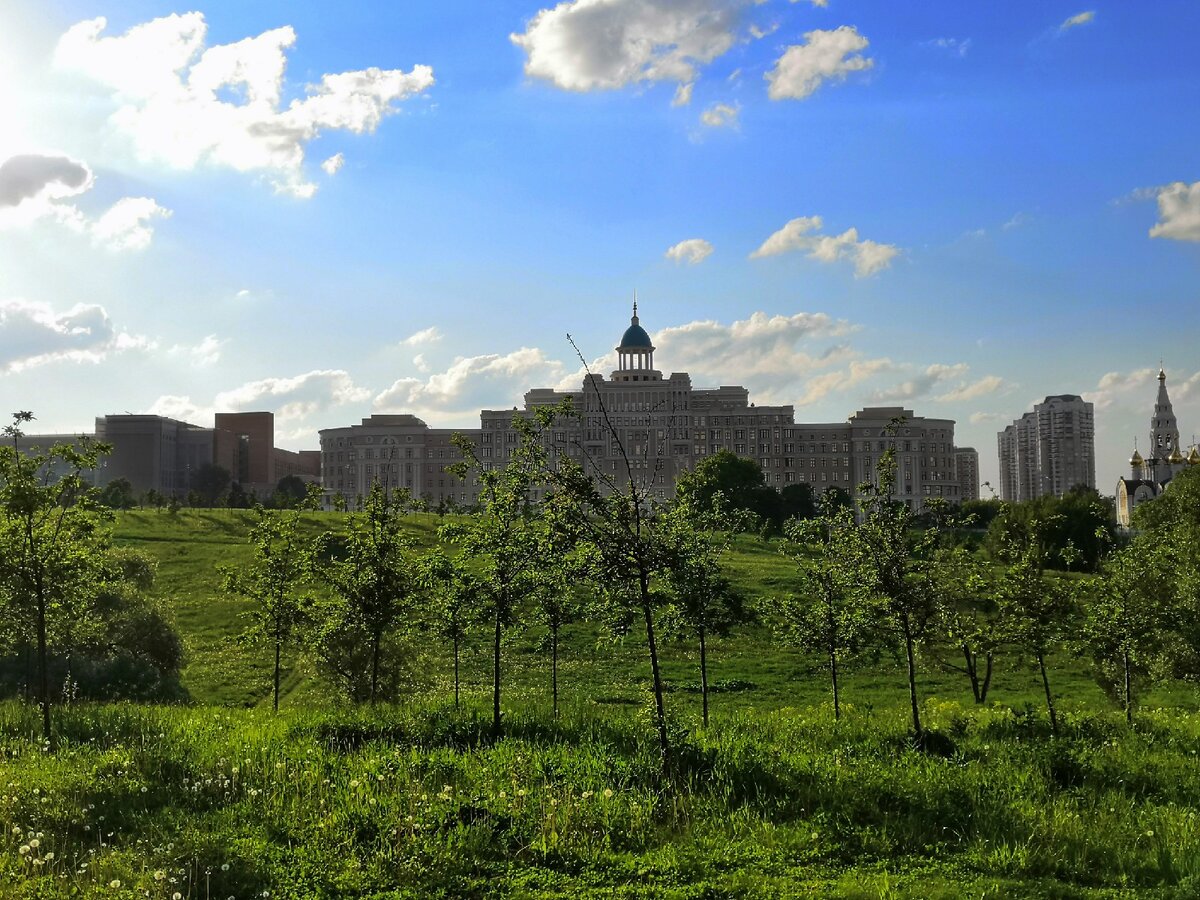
{"points": [[224, 867], [49, 856], [24, 849], [354, 783], [177, 896], [159, 875], [1149, 832], [521, 792], [607, 793], [115, 883], [35, 843]]}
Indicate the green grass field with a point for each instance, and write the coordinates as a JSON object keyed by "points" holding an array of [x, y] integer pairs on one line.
{"points": [[223, 799]]}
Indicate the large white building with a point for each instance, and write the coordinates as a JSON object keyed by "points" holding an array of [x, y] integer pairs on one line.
{"points": [[663, 424], [1049, 450]]}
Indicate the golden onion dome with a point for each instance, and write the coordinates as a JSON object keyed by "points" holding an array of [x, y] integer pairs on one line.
{"points": [[1194, 455], [1175, 457], [1136, 459]]}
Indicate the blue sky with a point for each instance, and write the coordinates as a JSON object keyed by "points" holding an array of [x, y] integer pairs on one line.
{"points": [[406, 207]]}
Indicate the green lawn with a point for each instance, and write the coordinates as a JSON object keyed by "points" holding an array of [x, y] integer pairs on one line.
{"points": [[418, 800]]}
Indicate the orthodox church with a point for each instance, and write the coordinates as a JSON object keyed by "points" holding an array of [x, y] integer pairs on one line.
{"points": [[1149, 476]]}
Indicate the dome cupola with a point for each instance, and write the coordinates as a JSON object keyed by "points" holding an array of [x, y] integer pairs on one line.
{"points": [[635, 355]]}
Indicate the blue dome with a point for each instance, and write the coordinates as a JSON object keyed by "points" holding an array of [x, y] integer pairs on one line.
{"points": [[635, 337]]}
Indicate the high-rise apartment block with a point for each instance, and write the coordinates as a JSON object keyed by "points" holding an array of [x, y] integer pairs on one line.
{"points": [[966, 461], [1049, 450], [663, 424]]}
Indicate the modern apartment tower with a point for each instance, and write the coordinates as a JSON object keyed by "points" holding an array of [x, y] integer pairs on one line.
{"points": [[1049, 450]]}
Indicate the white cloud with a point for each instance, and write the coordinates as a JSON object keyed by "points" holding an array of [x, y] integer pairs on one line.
{"points": [[293, 400], [824, 56], [206, 353], [34, 187], [34, 334], [922, 384], [869, 257], [1116, 387], [1178, 212], [34, 177], [720, 115], [471, 383], [1017, 221], [683, 94], [693, 250], [820, 4], [184, 104], [430, 335], [125, 225], [585, 45], [989, 384], [957, 47], [334, 164], [1078, 19], [979, 418]]}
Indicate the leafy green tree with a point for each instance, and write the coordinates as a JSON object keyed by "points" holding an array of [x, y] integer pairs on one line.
{"points": [[507, 544], [725, 481], [704, 601], [1175, 509], [554, 607], [1130, 618], [454, 594], [371, 566], [280, 565], [53, 544], [1036, 612], [797, 501], [1075, 530], [892, 565], [117, 494], [966, 615], [209, 484], [290, 493], [828, 613]]}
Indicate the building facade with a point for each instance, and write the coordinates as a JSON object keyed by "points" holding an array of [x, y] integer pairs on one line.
{"points": [[1049, 450], [966, 460], [652, 427], [1150, 475]]}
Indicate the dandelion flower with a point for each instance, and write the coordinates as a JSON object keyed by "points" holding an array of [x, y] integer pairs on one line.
{"points": [[159, 875], [24, 849], [607, 793], [115, 883], [35, 843]]}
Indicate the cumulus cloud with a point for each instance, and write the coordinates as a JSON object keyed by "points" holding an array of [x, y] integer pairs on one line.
{"points": [[34, 187], [957, 47], [1115, 387], [824, 56], [683, 94], [800, 234], [989, 384], [979, 418], [1178, 212], [33, 176], [184, 104], [334, 164], [205, 353], [294, 400], [720, 115], [586, 45], [1076, 20], [472, 382], [34, 334], [692, 251], [921, 384], [429, 335], [125, 226]]}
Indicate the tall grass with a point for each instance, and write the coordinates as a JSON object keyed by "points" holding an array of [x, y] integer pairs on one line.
{"points": [[421, 802]]}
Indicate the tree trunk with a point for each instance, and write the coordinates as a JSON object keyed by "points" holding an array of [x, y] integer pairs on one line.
{"points": [[1128, 690], [554, 667], [43, 662], [456, 671], [987, 679], [912, 675], [496, 680], [376, 637], [1049, 700], [278, 644], [833, 675], [972, 661], [664, 742], [704, 676]]}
